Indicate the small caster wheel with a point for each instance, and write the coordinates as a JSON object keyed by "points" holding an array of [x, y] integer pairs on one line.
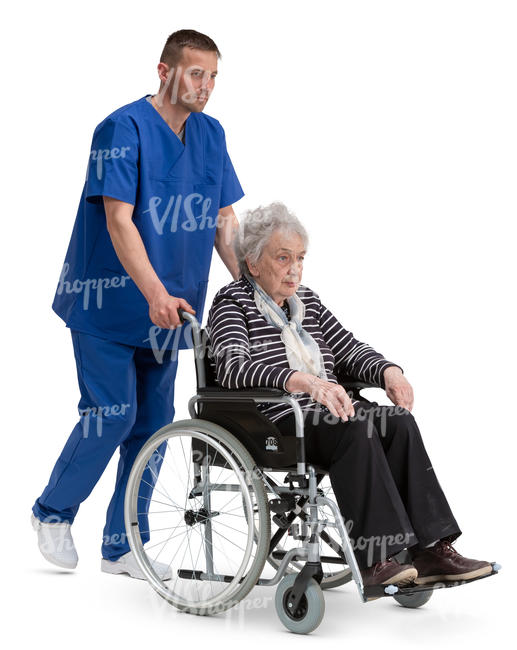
{"points": [[310, 609], [413, 600]]}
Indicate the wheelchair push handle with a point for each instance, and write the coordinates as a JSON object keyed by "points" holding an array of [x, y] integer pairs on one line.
{"points": [[195, 326], [199, 349], [185, 316]]}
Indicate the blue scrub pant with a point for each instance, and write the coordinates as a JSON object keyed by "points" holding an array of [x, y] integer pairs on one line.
{"points": [[126, 396]]}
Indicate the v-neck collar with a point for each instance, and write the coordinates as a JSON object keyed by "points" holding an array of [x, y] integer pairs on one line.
{"points": [[183, 144]]}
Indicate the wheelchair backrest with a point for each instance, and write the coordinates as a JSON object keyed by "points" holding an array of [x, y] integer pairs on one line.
{"points": [[267, 446]]}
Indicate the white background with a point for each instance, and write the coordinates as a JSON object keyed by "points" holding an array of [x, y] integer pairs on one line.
{"points": [[389, 128]]}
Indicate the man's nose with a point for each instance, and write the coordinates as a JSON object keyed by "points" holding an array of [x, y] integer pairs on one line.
{"points": [[207, 83]]}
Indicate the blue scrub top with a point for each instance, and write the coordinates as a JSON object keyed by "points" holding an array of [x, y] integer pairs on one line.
{"points": [[177, 190]]}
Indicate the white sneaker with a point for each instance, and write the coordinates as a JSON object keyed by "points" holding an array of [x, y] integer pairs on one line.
{"points": [[128, 564], [55, 542]]}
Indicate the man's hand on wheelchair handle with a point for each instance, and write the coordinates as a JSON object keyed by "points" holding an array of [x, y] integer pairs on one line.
{"points": [[397, 387], [163, 309]]}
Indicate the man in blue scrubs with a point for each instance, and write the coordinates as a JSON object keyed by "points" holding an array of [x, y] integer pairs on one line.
{"points": [[157, 198]]}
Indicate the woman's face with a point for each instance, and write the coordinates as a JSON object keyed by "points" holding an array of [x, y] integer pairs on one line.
{"points": [[279, 268]]}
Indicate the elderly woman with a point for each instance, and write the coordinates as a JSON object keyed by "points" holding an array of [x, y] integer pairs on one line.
{"points": [[267, 330]]}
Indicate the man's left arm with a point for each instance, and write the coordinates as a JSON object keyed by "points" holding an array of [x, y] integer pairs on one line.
{"points": [[227, 226]]}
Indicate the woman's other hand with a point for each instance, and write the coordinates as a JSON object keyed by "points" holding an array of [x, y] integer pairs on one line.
{"points": [[398, 388], [331, 395]]}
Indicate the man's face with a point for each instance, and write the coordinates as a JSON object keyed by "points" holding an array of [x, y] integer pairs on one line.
{"points": [[193, 79]]}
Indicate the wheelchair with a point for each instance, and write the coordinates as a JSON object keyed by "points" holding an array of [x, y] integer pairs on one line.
{"points": [[217, 496]]}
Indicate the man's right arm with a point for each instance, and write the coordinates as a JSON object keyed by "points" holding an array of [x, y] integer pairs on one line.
{"points": [[130, 249]]}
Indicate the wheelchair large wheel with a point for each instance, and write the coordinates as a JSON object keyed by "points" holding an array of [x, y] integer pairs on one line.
{"points": [[334, 575], [191, 495]]}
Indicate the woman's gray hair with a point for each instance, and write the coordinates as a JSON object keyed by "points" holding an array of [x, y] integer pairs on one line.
{"points": [[256, 228]]}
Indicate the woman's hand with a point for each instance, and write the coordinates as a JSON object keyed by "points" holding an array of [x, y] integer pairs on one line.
{"points": [[397, 387], [331, 395]]}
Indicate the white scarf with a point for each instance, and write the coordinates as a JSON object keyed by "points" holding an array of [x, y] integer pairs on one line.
{"points": [[303, 352]]}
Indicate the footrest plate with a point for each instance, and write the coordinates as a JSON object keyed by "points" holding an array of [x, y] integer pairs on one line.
{"points": [[377, 591]]}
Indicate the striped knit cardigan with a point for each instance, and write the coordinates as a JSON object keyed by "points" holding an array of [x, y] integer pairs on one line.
{"points": [[245, 351]]}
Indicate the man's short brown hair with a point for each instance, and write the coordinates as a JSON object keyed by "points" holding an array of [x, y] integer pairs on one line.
{"points": [[171, 54]]}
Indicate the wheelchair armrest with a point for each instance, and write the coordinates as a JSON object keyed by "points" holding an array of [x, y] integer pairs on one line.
{"points": [[356, 384], [230, 394], [350, 382]]}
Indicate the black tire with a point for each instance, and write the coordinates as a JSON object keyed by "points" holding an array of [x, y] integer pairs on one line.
{"points": [[415, 600]]}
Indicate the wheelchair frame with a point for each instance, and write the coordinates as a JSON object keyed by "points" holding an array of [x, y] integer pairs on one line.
{"points": [[307, 477]]}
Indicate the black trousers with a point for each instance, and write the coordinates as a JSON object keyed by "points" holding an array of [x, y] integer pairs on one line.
{"points": [[382, 478]]}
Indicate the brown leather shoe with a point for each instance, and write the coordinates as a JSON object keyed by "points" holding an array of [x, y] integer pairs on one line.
{"points": [[443, 562], [388, 572]]}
